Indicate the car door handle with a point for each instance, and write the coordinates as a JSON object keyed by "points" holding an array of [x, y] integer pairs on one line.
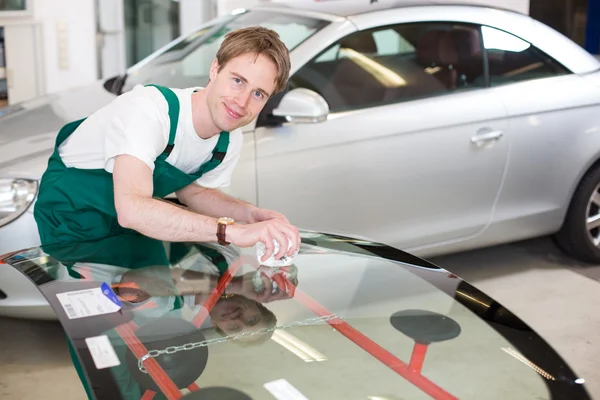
{"points": [[486, 137]]}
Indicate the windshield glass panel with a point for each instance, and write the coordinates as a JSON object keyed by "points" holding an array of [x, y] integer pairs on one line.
{"points": [[348, 319], [187, 63]]}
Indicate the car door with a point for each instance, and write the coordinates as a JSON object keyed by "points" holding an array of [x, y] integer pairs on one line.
{"points": [[414, 149], [553, 113]]}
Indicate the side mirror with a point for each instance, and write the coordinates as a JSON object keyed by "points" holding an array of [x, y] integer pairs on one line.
{"points": [[302, 106]]}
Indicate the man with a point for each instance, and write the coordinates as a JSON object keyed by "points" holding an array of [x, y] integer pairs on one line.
{"points": [[108, 170]]}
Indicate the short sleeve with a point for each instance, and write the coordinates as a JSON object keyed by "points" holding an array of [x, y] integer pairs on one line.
{"points": [[139, 127], [220, 177]]}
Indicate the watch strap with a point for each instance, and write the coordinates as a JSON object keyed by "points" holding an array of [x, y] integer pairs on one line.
{"points": [[222, 234]]}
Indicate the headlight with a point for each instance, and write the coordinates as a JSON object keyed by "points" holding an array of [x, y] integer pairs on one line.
{"points": [[16, 195]]}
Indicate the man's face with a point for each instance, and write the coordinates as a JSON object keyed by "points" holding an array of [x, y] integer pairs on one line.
{"points": [[240, 90], [237, 315]]}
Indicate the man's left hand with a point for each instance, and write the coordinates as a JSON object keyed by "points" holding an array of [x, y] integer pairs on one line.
{"points": [[262, 214]]}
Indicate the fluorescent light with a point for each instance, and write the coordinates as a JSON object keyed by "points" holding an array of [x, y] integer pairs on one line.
{"points": [[525, 361], [472, 299], [383, 74], [291, 348], [297, 347], [432, 70]]}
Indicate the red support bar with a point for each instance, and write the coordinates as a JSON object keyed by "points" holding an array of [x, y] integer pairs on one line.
{"points": [[218, 291], [148, 395], [417, 358], [193, 387], [5, 256], [371, 347], [159, 376]]}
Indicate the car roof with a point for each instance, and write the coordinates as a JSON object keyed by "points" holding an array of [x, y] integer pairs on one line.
{"points": [[347, 8]]}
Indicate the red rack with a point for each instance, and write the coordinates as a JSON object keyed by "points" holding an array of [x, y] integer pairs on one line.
{"points": [[411, 372]]}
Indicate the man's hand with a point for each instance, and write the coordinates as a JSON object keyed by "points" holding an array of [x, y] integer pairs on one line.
{"points": [[262, 214], [266, 295], [266, 231]]}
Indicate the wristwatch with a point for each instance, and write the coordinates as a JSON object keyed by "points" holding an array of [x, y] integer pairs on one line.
{"points": [[221, 228]]}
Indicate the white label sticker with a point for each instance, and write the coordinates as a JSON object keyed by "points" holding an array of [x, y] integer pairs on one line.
{"points": [[102, 352], [88, 302], [283, 390]]}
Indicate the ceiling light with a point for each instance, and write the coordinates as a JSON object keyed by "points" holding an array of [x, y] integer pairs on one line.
{"points": [[297, 347]]}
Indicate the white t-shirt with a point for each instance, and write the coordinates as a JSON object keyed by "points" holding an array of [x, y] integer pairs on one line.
{"points": [[137, 123]]}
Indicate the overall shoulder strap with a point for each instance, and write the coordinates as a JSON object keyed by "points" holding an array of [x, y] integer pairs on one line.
{"points": [[218, 154], [173, 103], [66, 131]]}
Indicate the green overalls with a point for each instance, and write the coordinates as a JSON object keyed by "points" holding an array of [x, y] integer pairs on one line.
{"points": [[75, 211], [137, 252], [76, 205]]}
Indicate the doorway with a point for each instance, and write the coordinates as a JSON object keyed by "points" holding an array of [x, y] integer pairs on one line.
{"points": [[149, 25]]}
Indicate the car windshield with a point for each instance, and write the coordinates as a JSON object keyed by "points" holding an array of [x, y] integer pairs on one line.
{"points": [[348, 319], [187, 62]]}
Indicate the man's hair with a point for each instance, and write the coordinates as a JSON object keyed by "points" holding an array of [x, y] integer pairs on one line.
{"points": [[257, 40], [270, 321]]}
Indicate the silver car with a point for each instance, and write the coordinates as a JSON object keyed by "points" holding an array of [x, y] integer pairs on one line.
{"points": [[434, 128]]}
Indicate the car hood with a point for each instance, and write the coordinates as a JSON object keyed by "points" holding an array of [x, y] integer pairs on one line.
{"points": [[28, 129], [358, 320]]}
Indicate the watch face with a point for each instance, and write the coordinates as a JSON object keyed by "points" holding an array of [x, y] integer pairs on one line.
{"points": [[226, 220]]}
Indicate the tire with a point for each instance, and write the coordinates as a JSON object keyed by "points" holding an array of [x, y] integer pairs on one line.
{"points": [[574, 237]]}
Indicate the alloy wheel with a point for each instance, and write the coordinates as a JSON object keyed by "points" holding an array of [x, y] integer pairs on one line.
{"points": [[593, 217]]}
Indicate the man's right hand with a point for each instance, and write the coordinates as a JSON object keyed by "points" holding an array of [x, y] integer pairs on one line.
{"points": [[266, 231]]}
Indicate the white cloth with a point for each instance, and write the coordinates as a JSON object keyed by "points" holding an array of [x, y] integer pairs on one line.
{"points": [[137, 123], [284, 261]]}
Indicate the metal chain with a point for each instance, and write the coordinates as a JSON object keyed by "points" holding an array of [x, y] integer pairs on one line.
{"points": [[209, 342]]}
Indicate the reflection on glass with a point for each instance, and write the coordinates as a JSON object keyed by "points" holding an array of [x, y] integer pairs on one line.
{"points": [[512, 59], [525, 361], [498, 40], [298, 347], [187, 63], [362, 315], [384, 75], [392, 64]]}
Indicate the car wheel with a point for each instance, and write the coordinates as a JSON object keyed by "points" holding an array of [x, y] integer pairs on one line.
{"points": [[580, 234]]}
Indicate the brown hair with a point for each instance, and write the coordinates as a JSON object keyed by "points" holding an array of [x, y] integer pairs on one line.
{"points": [[257, 40], [269, 319]]}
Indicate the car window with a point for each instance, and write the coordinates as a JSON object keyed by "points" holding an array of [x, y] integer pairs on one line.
{"points": [[187, 63], [395, 63], [389, 43], [512, 59]]}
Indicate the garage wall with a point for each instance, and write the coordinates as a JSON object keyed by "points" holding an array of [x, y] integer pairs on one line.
{"points": [[227, 6], [193, 13], [69, 42], [66, 46]]}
